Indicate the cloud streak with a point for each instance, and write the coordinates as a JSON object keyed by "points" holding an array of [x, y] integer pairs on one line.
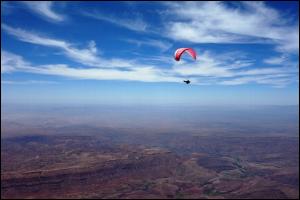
{"points": [[134, 24], [209, 64], [224, 69], [87, 56], [209, 73], [275, 60], [45, 10], [215, 22], [13, 63]]}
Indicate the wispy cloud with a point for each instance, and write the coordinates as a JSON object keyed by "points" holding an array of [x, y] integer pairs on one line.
{"points": [[134, 24], [209, 64], [86, 56], [11, 62], [279, 80], [275, 60], [210, 73], [215, 22], [160, 44], [231, 68], [15, 62], [224, 70], [45, 9]]}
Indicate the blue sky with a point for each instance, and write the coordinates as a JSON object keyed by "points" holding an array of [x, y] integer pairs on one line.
{"points": [[122, 53]]}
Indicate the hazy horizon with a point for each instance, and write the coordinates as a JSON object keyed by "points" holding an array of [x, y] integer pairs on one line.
{"points": [[201, 120]]}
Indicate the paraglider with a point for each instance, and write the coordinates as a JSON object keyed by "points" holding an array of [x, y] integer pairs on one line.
{"points": [[180, 51], [178, 54]]}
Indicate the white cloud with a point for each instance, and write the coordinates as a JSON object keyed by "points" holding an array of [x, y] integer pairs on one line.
{"points": [[15, 62], [92, 46], [209, 64], [45, 9], [10, 62], [210, 72], [135, 24], [275, 60], [215, 22], [225, 70], [231, 68], [274, 80], [86, 56], [30, 37]]}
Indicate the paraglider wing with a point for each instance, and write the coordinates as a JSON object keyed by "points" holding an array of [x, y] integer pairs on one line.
{"points": [[180, 51]]}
